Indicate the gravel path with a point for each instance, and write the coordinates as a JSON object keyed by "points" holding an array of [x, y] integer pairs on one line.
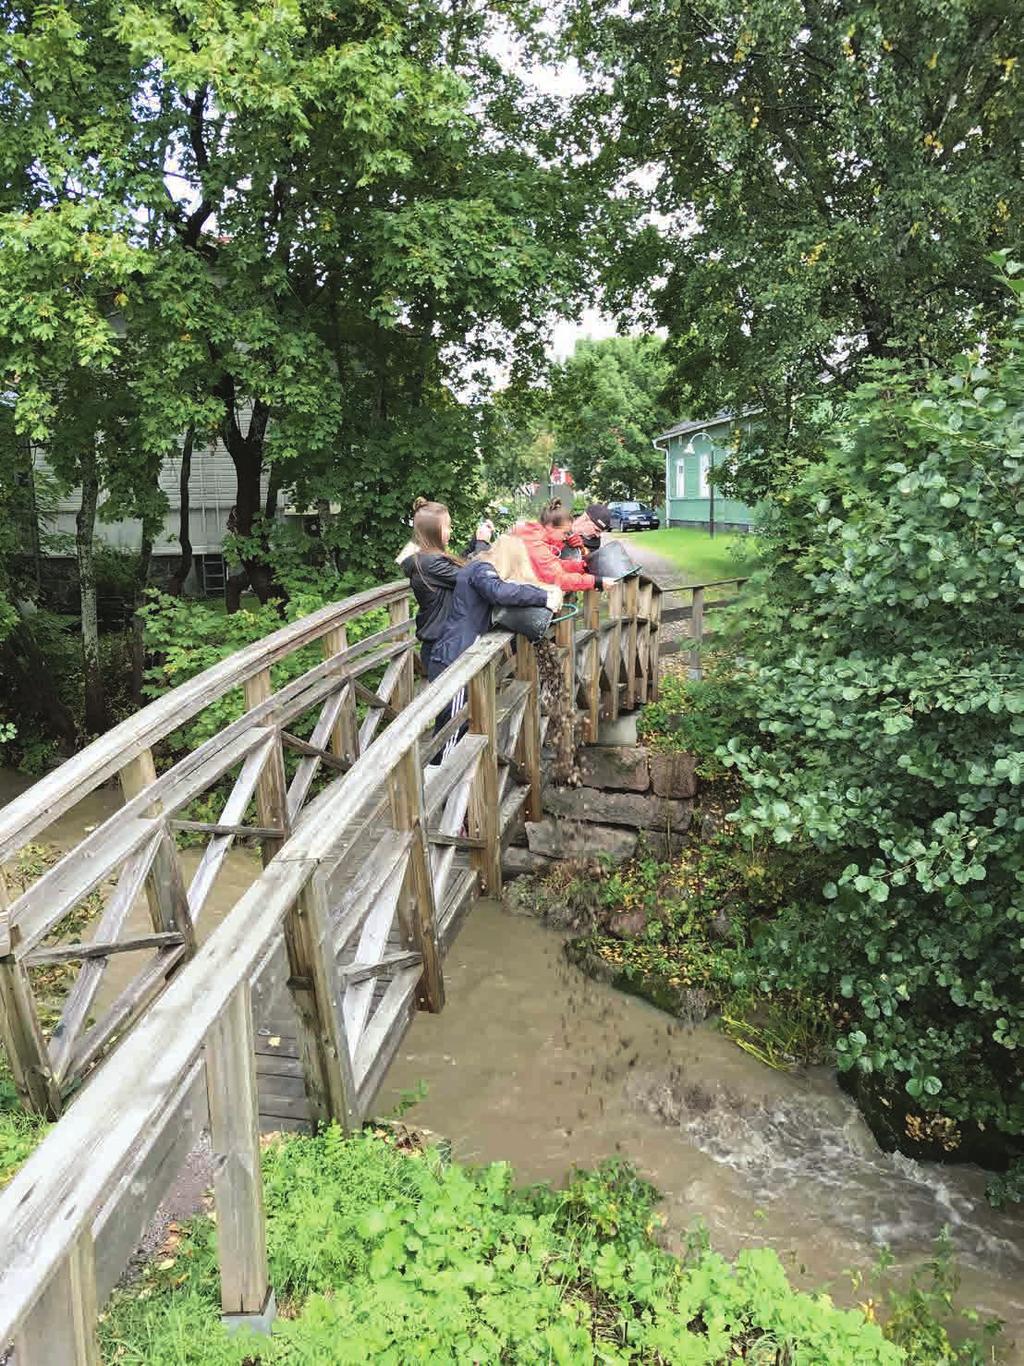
{"points": [[662, 571]]}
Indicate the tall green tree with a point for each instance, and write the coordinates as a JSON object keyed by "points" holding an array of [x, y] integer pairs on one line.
{"points": [[606, 402], [315, 217], [827, 178]]}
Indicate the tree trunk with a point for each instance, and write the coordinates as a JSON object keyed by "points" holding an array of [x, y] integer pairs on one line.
{"points": [[246, 451], [85, 534], [138, 642], [184, 566]]}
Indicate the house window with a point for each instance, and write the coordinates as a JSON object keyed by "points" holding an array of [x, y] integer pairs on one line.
{"points": [[680, 478], [704, 468]]}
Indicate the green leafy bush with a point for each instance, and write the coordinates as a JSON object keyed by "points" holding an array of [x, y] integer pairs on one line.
{"points": [[184, 637], [882, 666], [388, 1256], [691, 716]]}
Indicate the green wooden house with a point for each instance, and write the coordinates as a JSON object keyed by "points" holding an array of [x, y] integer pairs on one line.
{"points": [[692, 450]]}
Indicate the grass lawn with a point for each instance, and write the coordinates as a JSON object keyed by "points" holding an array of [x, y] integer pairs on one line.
{"points": [[697, 556]]}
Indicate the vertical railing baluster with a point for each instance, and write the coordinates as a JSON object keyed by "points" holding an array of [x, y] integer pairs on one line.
{"points": [[272, 787], [613, 655], [22, 1034], [484, 813], [528, 744], [345, 735], [654, 648], [407, 804], [62, 1325], [697, 630], [592, 622], [630, 600], [246, 1296], [402, 696]]}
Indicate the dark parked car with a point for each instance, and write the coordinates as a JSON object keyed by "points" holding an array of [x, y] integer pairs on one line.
{"points": [[633, 517]]}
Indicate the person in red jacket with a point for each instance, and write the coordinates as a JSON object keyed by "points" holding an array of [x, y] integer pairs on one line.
{"points": [[544, 541]]}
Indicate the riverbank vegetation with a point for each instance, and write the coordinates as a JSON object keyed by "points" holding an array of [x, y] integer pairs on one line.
{"points": [[866, 715], [382, 1250]]}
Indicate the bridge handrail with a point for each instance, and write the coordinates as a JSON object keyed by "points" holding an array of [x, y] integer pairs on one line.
{"points": [[60, 790], [47, 1211], [105, 1156]]}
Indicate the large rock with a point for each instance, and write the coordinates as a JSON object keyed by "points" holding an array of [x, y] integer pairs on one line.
{"points": [[516, 862], [568, 839], [618, 808], [618, 768], [674, 774]]}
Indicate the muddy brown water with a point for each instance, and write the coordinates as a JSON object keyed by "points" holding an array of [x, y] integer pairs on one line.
{"points": [[533, 1063]]}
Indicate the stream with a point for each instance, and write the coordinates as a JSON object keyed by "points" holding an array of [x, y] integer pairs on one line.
{"points": [[534, 1063]]}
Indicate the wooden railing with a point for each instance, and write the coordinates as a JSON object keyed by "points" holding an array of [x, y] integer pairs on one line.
{"points": [[704, 598], [363, 889]]}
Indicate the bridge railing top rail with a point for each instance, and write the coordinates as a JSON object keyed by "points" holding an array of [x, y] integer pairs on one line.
{"points": [[57, 792]]}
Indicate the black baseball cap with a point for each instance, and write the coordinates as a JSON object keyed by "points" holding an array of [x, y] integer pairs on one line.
{"points": [[599, 515]]}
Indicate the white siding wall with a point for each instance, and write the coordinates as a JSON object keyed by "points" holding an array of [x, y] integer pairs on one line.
{"points": [[211, 497]]}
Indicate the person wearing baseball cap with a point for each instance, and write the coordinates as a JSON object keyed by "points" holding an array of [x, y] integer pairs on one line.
{"points": [[590, 525]]}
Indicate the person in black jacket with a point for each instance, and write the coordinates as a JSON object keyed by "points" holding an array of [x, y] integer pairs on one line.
{"points": [[431, 570], [501, 576], [481, 540]]}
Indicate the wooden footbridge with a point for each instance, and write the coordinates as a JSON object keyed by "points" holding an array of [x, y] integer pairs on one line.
{"points": [[292, 1008]]}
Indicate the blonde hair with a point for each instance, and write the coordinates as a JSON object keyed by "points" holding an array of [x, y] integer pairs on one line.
{"points": [[511, 559]]}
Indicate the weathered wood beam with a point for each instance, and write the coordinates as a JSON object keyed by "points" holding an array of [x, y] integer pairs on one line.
{"points": [[417, 909], [254, 832], [483, 802], [245, 1291], [72, 953]]}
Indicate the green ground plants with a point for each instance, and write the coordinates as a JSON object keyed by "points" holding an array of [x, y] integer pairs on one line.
{"points": [[397, 1257]]}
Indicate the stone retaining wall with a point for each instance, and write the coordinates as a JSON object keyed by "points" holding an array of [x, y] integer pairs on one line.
{"points": [[625, 791]]}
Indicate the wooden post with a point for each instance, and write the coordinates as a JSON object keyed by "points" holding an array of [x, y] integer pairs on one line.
{"points": [[565, 639], [22, 1034], [654, 675], [165, 884], [592, 621], [484, 813], [643, 640], [272, 788], [630, 599], [417, 902], [697, 629], [316, 992], [62, 1325], [613, 653], [246, 1296], [345, 735], [402, 696], [528, 743]]}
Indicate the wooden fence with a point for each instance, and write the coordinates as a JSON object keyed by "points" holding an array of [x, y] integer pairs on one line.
{"points": [[364, 886]]}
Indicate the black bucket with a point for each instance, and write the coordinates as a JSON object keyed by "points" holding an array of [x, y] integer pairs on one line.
{"points": [[571, 552], [531, 622], [612, 561]]}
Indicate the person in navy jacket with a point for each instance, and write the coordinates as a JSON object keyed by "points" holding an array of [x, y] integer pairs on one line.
{"points": [[498, 577]]}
